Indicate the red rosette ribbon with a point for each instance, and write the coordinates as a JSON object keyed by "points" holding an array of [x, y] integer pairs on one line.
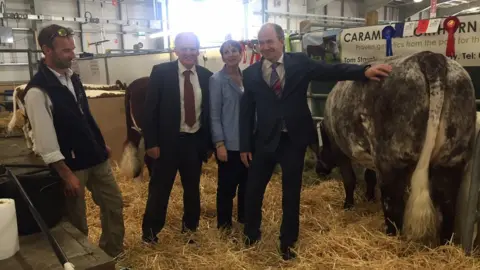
{"points": [[451, 24]]}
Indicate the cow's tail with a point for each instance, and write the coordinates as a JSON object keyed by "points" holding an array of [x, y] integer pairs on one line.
{"points": [[420, 219], [13, 121], [129, 163]]}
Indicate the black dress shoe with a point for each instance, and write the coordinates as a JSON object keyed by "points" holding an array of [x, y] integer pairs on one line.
{"points": [[241, 220], [287, 253]]}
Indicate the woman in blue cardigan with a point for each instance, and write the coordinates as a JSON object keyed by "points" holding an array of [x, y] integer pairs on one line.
{"points": [[226, 90]]}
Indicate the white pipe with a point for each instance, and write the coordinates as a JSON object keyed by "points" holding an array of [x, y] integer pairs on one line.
{"points": [[309, 15], [102, 29], [69, 266], [326, 17]]}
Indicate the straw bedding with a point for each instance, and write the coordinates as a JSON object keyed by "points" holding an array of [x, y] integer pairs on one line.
{"points": [[330, 238], [5, 119]]}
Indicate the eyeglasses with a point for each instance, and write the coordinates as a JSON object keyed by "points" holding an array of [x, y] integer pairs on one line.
{"points": [[63, 32]]}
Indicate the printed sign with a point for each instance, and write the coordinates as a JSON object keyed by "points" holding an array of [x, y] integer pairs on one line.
{"points": [[433, 9], [359, 45]]}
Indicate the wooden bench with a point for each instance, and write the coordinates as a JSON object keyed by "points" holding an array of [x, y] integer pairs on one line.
{"points": [[35, 251]]}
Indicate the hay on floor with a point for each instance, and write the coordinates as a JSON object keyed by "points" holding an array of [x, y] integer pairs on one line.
{"points": [[330, 238], [5, 118]]}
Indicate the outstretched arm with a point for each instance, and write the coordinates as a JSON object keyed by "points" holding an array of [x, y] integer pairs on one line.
{"points": [[319, 71]]}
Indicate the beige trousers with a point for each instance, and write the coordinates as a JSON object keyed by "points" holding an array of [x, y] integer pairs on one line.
{"points": [[99, 180]]}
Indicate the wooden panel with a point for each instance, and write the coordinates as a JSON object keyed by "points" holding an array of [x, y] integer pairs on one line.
{"points": [[36, 253], [109, 112]]}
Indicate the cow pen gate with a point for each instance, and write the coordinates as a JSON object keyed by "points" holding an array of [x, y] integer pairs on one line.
{"points": [[472, 213]]}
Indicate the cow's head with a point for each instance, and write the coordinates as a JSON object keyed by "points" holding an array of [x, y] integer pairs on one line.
{"points": [[325, 157]]}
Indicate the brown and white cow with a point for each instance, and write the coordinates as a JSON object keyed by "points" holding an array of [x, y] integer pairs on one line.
{"points": [[19, 118], [416, 130], [134, 156]]}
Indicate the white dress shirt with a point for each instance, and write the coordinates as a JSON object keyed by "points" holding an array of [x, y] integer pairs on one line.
{"points": [[267, 70], [39, 111], [198, 98]]}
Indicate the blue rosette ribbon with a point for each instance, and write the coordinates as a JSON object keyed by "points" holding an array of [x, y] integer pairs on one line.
{"points": [[388, 33]]}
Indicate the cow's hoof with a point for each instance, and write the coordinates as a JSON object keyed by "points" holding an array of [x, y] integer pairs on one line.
{"points": [[370, 198], [348, 206], [391, 231]]}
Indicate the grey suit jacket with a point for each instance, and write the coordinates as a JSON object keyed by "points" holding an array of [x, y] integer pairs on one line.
{"points": [[225, 96]]}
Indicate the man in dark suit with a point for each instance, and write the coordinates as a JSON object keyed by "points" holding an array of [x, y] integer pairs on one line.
{"points": [[177, 134], [276, 89]]}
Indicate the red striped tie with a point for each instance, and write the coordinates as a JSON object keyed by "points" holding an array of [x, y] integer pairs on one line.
{"points": [[275, 82]]}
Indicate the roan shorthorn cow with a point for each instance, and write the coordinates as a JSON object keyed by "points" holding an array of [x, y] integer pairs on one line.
{"points": [[416, 130], [134, 157]]}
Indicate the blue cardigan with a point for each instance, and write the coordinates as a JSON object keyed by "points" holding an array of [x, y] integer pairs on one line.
{"points": [[225, 96]]}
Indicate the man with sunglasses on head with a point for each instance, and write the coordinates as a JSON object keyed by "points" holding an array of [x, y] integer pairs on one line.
{"points": [[68, 139]]}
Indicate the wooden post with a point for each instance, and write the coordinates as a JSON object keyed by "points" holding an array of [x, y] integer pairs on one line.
{"points": [[371, 18]]}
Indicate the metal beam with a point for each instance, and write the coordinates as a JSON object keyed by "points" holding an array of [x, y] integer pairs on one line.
{"points": [[416, 8], [34, 17], [129, 2], [320, 3], [445, 12], [35, 6], [79, 13], [120, 17], [326, 18], [340, 25], [372, 5]]}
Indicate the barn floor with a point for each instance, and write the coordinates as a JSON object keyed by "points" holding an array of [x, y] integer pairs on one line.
{"points": [[330, 238]]}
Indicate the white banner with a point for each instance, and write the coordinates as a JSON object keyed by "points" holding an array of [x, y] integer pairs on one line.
{"points": [[359, 45]]}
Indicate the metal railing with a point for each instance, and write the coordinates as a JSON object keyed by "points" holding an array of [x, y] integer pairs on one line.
{"points": [[29, 52]]}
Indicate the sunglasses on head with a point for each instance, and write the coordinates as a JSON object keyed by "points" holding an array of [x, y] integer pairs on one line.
{"points": [[63, 32]]}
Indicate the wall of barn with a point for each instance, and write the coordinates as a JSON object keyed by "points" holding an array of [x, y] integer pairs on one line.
{"points": [[339, 8], [13, 66], [24, 39]]}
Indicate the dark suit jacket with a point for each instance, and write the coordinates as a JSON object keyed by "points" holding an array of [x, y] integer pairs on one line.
{"points": [[292, 106], [162, 110]]}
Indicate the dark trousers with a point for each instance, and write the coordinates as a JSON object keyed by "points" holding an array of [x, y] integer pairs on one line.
{"points": [[232, 174], [188, 162], [291, 159]]}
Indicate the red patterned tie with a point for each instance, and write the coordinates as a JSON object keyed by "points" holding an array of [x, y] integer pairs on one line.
{"points": [[189, 100], [275, 82]]}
